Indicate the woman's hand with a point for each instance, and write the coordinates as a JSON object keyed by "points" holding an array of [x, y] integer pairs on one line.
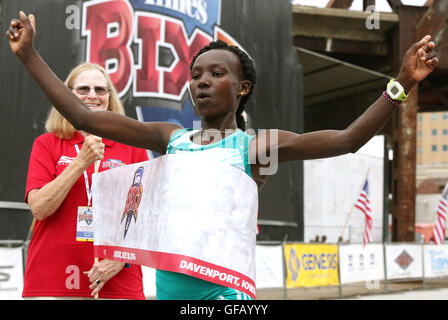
{"points": [[418, 62], [101, 272], [92, 150], [46, 200], [21, 34]]}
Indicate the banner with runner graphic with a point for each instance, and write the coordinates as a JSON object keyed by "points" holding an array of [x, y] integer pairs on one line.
{"points": [[168, 214]]}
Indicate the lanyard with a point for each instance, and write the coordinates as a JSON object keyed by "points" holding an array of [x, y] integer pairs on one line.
{"points": [[86, 179]]}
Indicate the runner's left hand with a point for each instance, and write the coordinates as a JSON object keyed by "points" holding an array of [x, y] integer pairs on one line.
{"points": [[418, 62]]}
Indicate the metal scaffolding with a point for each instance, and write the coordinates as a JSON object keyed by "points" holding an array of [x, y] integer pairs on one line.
{"points": [[334, 32]]}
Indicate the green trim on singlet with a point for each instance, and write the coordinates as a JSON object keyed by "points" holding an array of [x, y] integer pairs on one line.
{"points": [[239, 140], [179, 286]]}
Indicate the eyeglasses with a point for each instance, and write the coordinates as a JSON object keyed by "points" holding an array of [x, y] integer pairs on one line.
{"points": [[85, 90]]}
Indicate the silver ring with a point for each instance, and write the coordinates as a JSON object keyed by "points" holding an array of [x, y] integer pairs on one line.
{"points": [[98, 281]]}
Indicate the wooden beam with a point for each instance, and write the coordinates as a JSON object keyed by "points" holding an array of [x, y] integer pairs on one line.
{"points": [[394, 4], [334, 23], [440, 38], [434, 19], [367, 3], [434, 93], [405, 158], [405, 136], [340, 4], [321, 44]]}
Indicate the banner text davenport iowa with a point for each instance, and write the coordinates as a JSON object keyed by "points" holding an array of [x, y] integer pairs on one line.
{"points": [[215, 274]]}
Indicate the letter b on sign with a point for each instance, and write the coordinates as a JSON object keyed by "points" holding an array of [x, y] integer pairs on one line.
{"points": [[108, 26]]}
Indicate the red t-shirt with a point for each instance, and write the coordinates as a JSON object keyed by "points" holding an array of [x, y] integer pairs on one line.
{"points": [[56, 261]]}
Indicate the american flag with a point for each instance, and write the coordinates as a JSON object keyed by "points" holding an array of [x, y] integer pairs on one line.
{"points": [[363, 204], [438, 233]]}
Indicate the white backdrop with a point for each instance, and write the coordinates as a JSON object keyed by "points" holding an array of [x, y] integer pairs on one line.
{"points": [[11, 273], [269, 266], [331, 187]]}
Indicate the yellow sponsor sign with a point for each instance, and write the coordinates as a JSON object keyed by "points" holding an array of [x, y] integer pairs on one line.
{"points": [[311, 265]]}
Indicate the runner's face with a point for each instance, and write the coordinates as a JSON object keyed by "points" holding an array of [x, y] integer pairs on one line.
{"points": [[92, 78], [215, 83]]}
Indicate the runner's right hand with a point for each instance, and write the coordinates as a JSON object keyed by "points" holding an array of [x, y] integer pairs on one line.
{"points": [[21, 34]]}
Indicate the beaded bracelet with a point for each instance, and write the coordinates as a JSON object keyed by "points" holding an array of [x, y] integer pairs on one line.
{"points": [[390, 100]]}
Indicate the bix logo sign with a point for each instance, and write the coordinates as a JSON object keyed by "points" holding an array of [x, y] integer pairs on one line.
{"points": [[148, 45]]}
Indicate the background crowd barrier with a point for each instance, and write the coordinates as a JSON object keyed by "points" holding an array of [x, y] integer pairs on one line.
{"points": [[11, 269], [292, 270]]}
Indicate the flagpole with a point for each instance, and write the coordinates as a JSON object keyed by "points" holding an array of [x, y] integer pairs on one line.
{"points": [[96, 168], [439, 225], [351, 209]]}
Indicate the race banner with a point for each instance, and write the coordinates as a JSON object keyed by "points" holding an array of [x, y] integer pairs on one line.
{"points": [[435, 258], [360, 263], [311, 265], [179, 213], [11, 273], [403, 261], [269, 266]]}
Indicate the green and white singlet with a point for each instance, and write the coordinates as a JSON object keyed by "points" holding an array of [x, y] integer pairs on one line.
{"points": [[232, 150]]}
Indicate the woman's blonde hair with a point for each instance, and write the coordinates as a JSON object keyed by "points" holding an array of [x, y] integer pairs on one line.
{"points": [[58, 125]]}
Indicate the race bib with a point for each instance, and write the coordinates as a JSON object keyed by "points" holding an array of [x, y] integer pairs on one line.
{"points": [[84, 225]]}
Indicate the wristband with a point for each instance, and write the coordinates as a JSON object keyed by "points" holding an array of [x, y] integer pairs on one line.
{"points": [[389, 99], [127, 265]]}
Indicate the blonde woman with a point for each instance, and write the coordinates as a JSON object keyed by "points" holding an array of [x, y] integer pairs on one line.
{"points": [[60, 261]]}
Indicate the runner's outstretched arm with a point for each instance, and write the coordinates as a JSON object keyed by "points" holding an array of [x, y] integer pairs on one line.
{"points": [[419, 61], [154, 136]]}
